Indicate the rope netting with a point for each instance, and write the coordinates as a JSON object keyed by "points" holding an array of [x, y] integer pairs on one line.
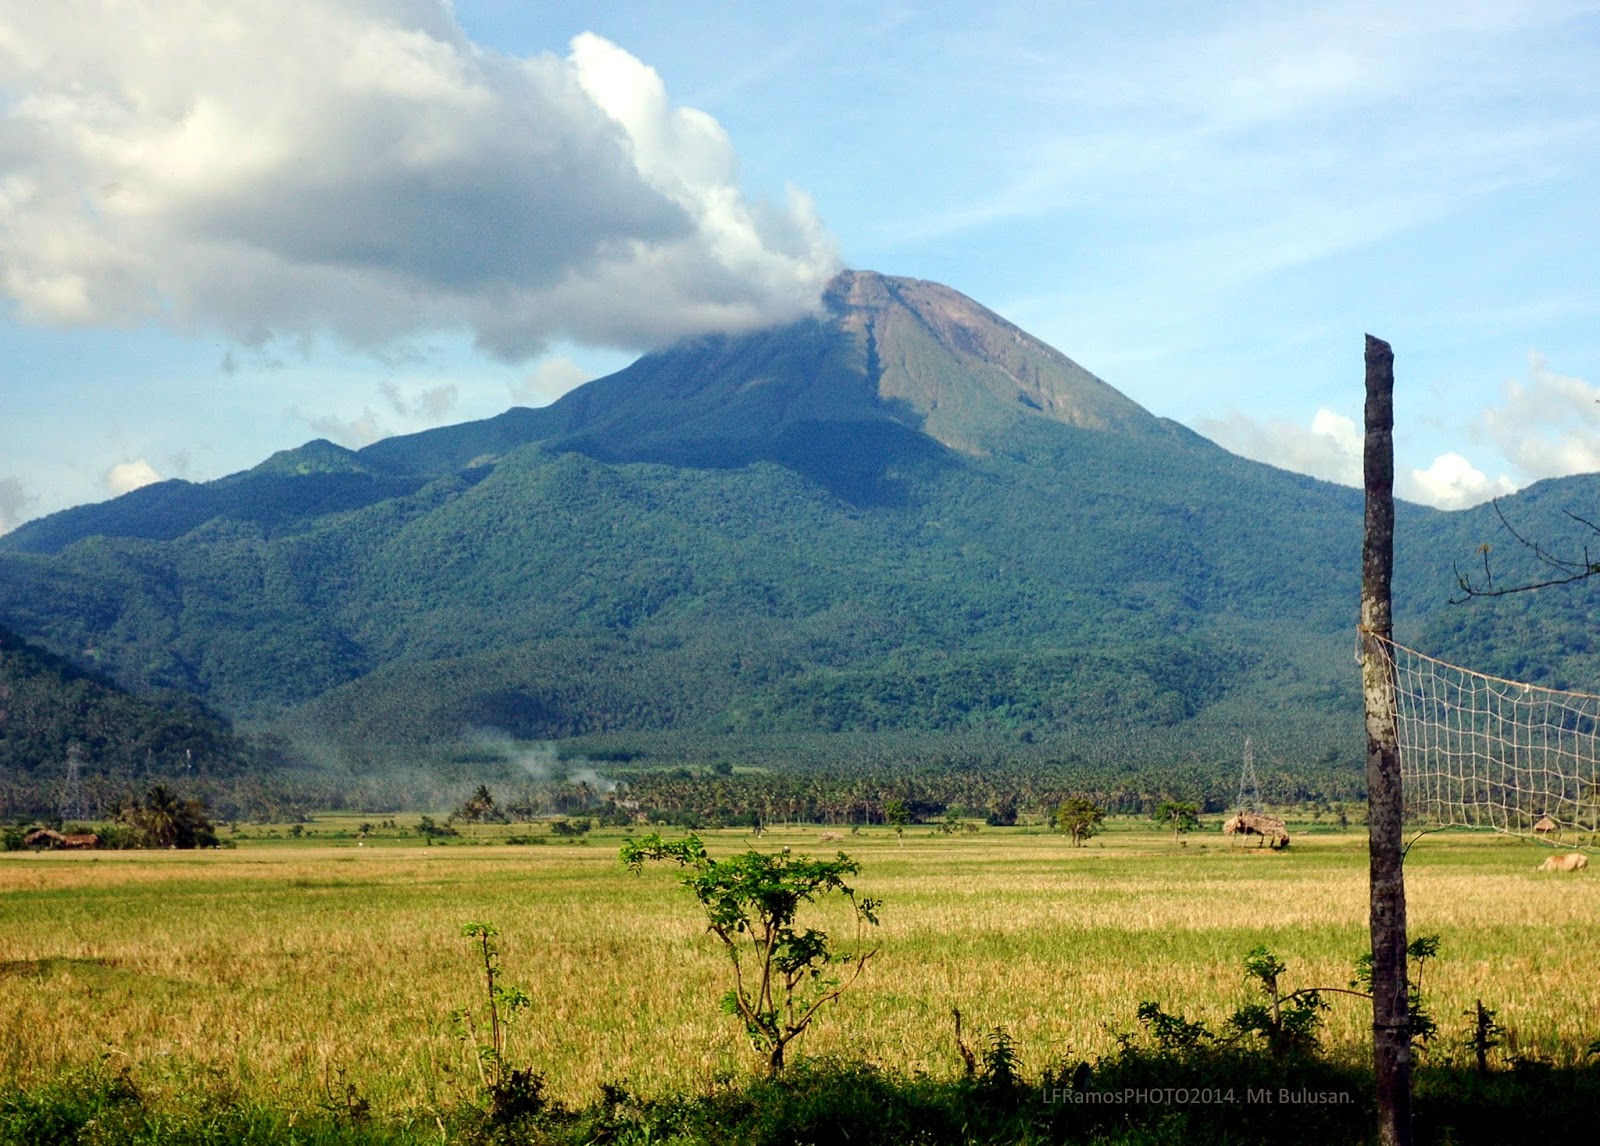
{"points": [[1483, 752]]}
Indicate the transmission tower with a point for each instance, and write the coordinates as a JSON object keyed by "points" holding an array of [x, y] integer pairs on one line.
{"points": [[72, 805], [1249, 788]]}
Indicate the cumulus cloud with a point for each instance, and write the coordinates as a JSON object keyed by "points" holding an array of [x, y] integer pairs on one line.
{"points": [[1329, 449], [285, 168], [547, 381], [125, 477], [15, 502], [1548, 425], [1452, 482]]}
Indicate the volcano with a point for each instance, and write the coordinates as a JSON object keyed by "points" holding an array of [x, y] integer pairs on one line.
{"points": [[902, 521]]}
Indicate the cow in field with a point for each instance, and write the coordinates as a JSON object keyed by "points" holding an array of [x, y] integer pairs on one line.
{"points": [[1572, 861]]}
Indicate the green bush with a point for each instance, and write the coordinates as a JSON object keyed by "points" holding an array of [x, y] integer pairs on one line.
{"points": [[429, 828]]}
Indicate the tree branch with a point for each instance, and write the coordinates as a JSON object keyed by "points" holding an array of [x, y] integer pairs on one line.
{"points": [[834, 993], [1569, 569]]}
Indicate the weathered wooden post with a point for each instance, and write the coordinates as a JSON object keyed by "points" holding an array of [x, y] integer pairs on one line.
{"points": [[1391, 1015]]}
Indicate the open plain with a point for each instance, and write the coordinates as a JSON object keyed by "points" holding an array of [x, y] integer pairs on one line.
{"points": [[292, 967]]}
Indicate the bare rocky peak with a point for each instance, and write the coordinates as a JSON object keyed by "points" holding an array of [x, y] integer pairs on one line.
{"points": [[959, 364]]}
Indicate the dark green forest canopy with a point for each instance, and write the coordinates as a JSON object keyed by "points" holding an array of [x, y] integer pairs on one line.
{"points": [[48, 706], [561, 596]]}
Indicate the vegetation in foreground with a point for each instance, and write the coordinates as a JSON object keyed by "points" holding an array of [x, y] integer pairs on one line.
{"points": [[1139, 1097], [297, 988]]}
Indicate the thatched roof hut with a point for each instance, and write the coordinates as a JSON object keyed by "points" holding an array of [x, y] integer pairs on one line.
{"points": [[49, 838], [1546, 825]]}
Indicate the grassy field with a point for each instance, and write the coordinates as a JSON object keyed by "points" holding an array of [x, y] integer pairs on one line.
{"points": [[287, 963]]}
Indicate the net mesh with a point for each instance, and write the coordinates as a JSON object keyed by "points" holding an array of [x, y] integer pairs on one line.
{"points": [[1478, 751]]}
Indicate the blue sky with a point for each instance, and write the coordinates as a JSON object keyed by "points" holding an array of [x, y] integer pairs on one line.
{"points": [[228, 228]]}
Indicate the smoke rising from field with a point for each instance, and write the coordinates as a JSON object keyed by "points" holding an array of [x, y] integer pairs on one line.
{"points": [[16, 503], [539, 761], [589, 776]]}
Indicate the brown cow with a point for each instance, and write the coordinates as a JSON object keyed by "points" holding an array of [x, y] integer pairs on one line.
{"points": [[1572, 861]]}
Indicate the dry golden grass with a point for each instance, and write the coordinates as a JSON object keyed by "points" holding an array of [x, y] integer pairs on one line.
{"points": [[281, 963]]}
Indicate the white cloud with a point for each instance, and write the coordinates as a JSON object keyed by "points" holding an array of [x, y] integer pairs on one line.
{"points": [[432, 405], [283, 168], [125, 477], [401, 409], [352, 433], [1329, 449], [15, 502], [1545, 426], [1452, 482], [1549, 425], [550, 379]]}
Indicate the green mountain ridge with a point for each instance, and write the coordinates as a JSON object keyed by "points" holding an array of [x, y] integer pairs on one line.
{"points": [[904, 518], [49, 704]]}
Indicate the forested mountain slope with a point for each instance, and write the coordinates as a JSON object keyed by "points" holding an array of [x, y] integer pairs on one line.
{"points": [[49, 705]]}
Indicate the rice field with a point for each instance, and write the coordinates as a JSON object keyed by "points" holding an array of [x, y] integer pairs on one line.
{"points": [[290, 967]]}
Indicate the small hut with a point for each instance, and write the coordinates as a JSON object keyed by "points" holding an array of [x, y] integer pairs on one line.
{"points": [[1271, 831], [1546, 825], [49, 838]]}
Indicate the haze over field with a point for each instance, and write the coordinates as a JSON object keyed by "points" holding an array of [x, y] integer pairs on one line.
{"points": [[225, 230]]}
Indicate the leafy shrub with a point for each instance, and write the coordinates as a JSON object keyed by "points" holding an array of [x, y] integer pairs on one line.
{"points": [[430, 829], [751, 901], [480, 808], [1172, 1033], [1288, 1022]]}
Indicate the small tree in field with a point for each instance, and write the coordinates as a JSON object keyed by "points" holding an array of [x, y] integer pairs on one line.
{"points": [[1183, 815], [1079, 818], [897, 816], [165, 820], [480, 807], [501, 1004], [781, 973]]}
